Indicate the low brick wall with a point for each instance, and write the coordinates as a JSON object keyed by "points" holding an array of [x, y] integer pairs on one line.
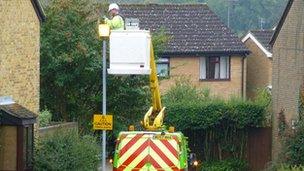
{"points": [[49, 130]]}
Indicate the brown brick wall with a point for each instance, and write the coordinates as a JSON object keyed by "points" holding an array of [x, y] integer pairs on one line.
{"points": [[8, 147], [259, 68], [19, 52], [288, 68], [188, 67]]}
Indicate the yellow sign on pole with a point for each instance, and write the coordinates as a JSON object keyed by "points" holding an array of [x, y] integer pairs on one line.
{"points": [[103, 122]]}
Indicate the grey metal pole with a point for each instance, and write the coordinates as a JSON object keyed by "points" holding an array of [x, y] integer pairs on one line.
{"points": [[228, 13], [230, 3], [104, 102]]}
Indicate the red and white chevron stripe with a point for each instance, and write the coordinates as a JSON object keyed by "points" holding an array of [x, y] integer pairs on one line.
{"points": [[142, 152]]}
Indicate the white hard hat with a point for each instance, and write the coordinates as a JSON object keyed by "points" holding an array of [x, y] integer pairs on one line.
{"points": [[113, 6]]}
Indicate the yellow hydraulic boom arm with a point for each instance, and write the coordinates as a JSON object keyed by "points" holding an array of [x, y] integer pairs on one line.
{"points": [[153, 119]]}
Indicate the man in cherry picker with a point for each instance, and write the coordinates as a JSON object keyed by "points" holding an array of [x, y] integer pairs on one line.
{"points": [[116, 22]]}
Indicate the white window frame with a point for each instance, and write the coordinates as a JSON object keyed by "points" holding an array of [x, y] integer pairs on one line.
{"points": [[222, 76]]}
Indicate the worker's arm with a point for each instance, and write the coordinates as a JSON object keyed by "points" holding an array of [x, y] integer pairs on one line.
{"points": [[116, 23]]}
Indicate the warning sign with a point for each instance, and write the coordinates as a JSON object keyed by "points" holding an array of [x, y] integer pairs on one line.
{"points": [[103, 122]]}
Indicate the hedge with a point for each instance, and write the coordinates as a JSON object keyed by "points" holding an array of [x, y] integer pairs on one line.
{"points": [[212, 113]]}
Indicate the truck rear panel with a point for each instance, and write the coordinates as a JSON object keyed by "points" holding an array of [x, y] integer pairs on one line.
{"points": [[148, 151]]}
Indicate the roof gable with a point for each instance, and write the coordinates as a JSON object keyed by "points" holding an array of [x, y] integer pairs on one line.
{"points": [[193, 28], [261, 38], [281, 22], [38, 9]]}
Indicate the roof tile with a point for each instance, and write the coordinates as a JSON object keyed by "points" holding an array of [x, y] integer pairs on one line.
{"points": [[193, 28], [264, 37]]}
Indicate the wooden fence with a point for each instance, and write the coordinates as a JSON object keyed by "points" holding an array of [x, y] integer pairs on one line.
{"points": [[259, 148]]}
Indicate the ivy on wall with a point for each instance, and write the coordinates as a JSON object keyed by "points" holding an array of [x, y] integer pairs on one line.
{"points": [[301, 103]]}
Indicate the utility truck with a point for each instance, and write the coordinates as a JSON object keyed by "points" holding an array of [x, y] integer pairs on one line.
{"points": [[154, 149]]}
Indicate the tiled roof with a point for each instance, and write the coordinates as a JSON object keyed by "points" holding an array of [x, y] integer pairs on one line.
{"points": [[15, 113], [264, 37], [193, 28]]}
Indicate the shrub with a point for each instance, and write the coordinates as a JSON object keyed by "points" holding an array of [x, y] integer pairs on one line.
{"points": [[44, 118], [264, 98], [183, 91], [225, 165], [65, 150], [295, 146], [290, 168]]}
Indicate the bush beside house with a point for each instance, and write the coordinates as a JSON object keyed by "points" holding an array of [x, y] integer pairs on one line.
{"points": [[66, 150]]}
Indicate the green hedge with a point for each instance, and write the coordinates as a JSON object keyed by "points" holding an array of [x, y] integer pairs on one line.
{"points": [[217, 128], [225, 165], [210, 114], [290, 168], [65, 150]]}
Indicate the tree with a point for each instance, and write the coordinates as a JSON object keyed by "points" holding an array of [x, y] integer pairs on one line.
{"points": [[248, 14], [71, 67], [69, 59]]}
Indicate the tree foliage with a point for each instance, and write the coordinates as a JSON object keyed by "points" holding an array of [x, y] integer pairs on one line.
{"points": [[249, 14], [70, 59], [294, 149], [294, 146], [71, 68]]}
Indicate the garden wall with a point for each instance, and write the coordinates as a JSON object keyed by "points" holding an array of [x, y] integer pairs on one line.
{"points": [[49, 130]]}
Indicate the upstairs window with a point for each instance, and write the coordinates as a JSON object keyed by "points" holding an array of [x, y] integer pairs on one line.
{"points": [[215, 68]]}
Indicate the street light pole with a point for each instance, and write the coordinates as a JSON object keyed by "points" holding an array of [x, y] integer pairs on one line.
{"points": [[104, 32], [229, 3], [228, 13], [104, 102]]}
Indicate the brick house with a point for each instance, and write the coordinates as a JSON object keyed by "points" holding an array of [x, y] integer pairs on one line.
{"points": [[19, 70], [259, 61], [201, 48], [19, 52], [288, 67]]}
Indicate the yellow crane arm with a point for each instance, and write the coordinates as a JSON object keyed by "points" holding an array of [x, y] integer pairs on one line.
{"points": [[153, 119]]}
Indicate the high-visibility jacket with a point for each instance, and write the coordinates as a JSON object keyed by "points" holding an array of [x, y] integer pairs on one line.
{"points": [[116, 23]]}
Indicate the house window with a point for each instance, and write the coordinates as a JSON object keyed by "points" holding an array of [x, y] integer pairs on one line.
{"points": [[215, 68], [163, 67]]}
